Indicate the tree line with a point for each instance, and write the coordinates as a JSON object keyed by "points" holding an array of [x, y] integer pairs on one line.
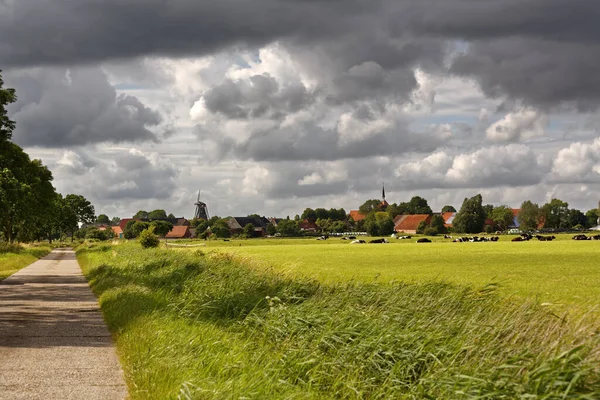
{"points": [[30, 207]]}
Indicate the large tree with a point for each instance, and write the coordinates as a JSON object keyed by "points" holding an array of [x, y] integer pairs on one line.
{"points": [[502, 216], [529, 216], [555, 214], [103, 219], [157, 214], [82, 207], [369, 206], [7, 125], [471, 217], [418, 205], [448, 208]]}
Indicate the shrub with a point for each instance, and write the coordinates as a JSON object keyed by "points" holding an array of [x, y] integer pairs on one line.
{"points": [[430, 231], [421, 227], [148, 239], [489, 229]]}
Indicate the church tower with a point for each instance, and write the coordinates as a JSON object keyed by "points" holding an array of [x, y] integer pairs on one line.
{"points": [[384, 204]]}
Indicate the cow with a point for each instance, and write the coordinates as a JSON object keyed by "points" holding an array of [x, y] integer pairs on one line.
{"points": [[358, 242], [447, 237], [404, 237], [379, 241], [518, 239], [580, 237], [423, 240], [545, 238], [595, 237]]}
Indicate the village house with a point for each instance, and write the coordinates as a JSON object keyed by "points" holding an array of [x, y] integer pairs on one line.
{"points": [[237, 224]]}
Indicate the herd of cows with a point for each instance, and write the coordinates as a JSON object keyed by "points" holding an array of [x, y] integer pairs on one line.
{"points": [[523, 238]]}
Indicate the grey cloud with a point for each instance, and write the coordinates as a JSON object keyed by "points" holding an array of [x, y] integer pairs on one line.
{"points": [[308, 141], [260, 96], [130, 175], [72, 107], [512, 165], [96, 30], [540, 73]]}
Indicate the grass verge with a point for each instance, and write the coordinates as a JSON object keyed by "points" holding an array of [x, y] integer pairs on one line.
{"points": [[13, 257], [195, 325]]}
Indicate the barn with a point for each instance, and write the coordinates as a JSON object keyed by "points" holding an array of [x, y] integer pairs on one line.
{"points": [[179, 232], [410, 223]]}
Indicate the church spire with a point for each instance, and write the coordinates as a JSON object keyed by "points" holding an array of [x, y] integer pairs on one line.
{"points": [[383, 191]]}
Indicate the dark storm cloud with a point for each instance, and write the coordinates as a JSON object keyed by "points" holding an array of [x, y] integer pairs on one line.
{"points": [[260, 96], [540, 51], [72, 31], [72, 107]]}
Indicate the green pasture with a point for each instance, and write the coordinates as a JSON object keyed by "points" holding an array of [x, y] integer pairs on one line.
{"points": [[561, 271]]}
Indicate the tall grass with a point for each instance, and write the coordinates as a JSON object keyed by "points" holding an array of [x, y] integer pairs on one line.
{"points": [[14, 257], [207, 326]]}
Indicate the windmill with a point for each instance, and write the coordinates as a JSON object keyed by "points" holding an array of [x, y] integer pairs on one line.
{"points": [[201, 209]]}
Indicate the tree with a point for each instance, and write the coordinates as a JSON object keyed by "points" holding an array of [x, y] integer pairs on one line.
{"points": [[448, 208], [157, 215], [7, 125], [321, 213], [82, 208], [555, 214], [248, 231], [309, 214], [418, 205], [288, 228], [161, 228], [503, 217], [115, 221], [438, 224], [471, 217], [103, 219], [138, 227], [221, 228], [421, 227], [369, 205], [592, 218], [573, 218], [487, 210], [529, 216], [271, 229], [26, 191], [141, 215], [371, 226]]}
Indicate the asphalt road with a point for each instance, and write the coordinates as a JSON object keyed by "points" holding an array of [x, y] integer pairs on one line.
{"points": [[54, 343]]}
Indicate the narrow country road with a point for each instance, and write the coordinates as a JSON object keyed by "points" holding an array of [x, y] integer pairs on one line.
{"points": [[54, 343]]}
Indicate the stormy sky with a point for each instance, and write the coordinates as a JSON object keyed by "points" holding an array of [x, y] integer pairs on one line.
{"points": [[271, 106]]}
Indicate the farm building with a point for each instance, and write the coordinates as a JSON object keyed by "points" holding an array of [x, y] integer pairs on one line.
{"points": [[357, 215], [448, 218], [179, 232], [237, 224], [410, 223], [308, 226]]}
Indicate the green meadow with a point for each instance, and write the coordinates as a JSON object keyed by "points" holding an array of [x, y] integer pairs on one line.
{"points": [[561, 271], [302, 319]]}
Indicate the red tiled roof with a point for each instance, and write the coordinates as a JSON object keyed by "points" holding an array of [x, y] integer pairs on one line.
{"points": [[411, 222], [178, 232], [516, 211], [357, 215], [124, 221], [117, 230]]}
